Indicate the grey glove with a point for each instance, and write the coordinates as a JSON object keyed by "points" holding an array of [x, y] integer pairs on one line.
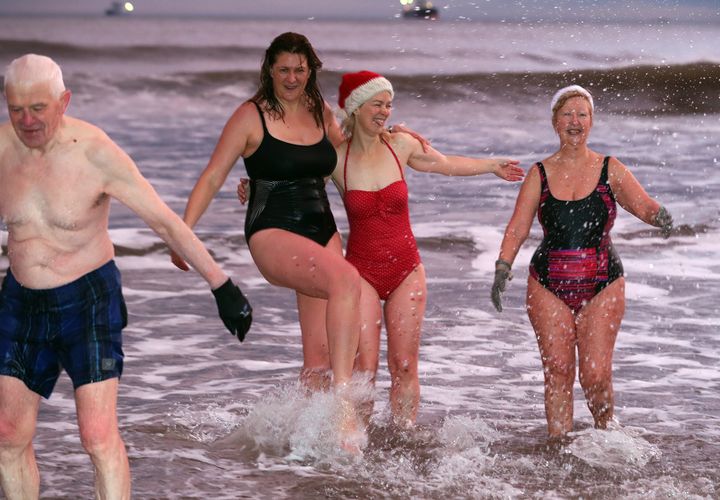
{"points": [[502, 276], [664, 221]]}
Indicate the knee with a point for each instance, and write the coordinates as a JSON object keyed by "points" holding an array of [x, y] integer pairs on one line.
{"points": [[98, 440], [346, 280], [403, 367], [14, 435]]}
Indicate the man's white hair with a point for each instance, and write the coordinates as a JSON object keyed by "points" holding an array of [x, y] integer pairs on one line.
{"points": [[31, 69]]}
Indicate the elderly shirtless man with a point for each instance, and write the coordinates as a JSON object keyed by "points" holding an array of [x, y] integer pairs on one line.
{"points": [[61, 304]]}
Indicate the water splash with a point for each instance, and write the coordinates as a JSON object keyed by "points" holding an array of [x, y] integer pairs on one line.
{"points": [[613, 448]]}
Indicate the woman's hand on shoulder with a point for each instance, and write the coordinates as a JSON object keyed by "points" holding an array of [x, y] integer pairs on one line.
{"points": [[402, 128]]}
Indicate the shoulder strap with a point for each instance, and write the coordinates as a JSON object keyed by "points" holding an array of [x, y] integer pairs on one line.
{"points": [[347, 153], [543, 176], [604, 172], [262, 117], [394, 156]]}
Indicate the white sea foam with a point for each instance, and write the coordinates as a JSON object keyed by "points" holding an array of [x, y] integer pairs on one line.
{"points": [[616, 447]]}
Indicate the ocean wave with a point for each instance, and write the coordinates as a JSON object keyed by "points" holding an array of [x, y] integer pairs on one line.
{"points": [[59, 51], [673, 89], [644, 90]]}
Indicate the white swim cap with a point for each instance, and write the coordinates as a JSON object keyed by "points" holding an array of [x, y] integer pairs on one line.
{"points": [[567, 90]]}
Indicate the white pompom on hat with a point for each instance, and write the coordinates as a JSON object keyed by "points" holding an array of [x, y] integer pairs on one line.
{"points": [[356, 88], [567, 90]]}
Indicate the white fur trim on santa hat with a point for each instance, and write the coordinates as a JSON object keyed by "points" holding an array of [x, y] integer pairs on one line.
{"points": [[567, 90], [365, 91]]}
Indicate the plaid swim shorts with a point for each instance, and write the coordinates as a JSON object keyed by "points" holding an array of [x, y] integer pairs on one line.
{"points": [[76, 326]]}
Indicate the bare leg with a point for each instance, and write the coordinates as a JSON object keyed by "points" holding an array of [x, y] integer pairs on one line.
{"points": [[18, 416], [404, 312], [315, 375], [369, 347], [293, 261], [554, 326], [100, 436], [598, 324]]}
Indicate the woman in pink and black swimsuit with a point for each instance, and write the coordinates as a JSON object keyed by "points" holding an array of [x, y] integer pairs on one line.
{"points": [[576, 288], [381, 245]]}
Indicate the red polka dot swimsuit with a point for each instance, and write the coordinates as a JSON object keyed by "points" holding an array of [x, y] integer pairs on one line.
{"points": [[381, 244]]}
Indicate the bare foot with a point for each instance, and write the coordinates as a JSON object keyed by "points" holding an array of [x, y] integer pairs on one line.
{"points": [[353, 437]]}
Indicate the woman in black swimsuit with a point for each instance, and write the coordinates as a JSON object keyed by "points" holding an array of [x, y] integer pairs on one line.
{"points": [[286, 135], [576, 288]]}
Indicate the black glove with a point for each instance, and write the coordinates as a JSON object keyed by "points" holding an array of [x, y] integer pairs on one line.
{"points": [[664, 221], [502, 276], [234, 309]]}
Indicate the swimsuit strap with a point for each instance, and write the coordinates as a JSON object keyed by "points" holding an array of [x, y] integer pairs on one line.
{"points": [[264, 125], [543, 177], [394, 156], [347, 153], [262, 118], [604, 173]]}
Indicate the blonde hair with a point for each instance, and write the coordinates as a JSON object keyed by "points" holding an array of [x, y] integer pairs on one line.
{"points": [[31, 69], [347, 124]]}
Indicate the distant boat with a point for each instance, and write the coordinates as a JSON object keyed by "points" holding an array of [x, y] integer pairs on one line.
{"points": [[418, 9], [119, 9]]}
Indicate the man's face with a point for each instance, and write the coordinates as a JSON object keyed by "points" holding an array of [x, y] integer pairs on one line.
{"points": [[35, 113]]}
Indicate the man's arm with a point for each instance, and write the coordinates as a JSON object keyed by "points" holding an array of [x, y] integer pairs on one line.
{"points": [[124, 182]]}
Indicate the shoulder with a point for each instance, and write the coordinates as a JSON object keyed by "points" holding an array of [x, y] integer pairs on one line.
{"points": [[91, 143], [6, 134], [93, 140], [534, 174], [532, 183], [246, 111], [403, 142], [328, 110], [616, 169], [245, 121]]}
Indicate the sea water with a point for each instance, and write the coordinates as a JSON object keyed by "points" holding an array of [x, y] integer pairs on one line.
{"points": [[206, 417]]}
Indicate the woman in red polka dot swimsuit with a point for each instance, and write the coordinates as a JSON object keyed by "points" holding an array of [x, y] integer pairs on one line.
{"points": [[369, 175]]}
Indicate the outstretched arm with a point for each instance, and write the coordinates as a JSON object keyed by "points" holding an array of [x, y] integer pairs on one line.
{"points": [[431, 160], [124, 182]]}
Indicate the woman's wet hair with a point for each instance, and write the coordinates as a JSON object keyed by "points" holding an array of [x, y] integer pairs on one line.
{"points": [[291, 43]]}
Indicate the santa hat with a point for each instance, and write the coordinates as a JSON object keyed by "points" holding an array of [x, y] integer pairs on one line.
{"points": [[571, 88], [356, 88]]}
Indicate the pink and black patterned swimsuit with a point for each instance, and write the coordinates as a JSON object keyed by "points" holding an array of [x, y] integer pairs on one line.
{"points": [[576, 258]]}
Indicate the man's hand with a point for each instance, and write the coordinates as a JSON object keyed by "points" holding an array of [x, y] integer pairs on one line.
{"points": [[234, 308]]}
